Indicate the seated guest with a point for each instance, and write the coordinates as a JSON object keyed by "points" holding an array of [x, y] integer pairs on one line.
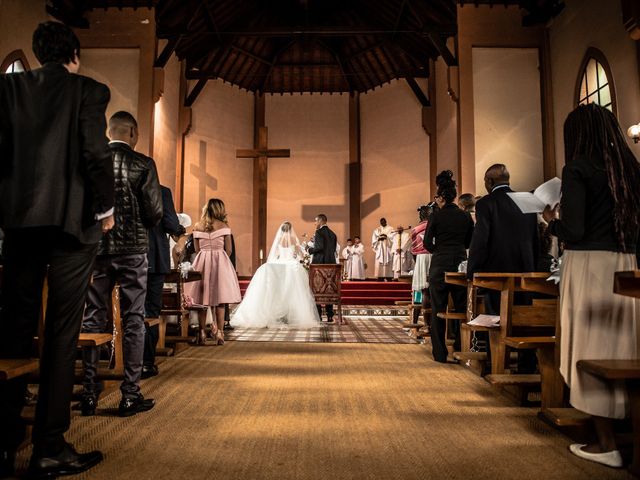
{"points": [[159, 260], [56, 166], [122, 258], [504, 240], [599, 228], [448, 237]]}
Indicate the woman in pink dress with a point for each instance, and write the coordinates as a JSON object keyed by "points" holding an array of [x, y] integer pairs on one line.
{"points": [[219, 285]]}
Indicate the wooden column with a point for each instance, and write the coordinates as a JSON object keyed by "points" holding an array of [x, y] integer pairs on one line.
{"points": [[546, 109], [259, 240], [355, 166], [184, 125], [430, 126]]}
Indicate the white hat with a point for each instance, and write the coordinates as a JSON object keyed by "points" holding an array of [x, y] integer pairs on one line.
{"points": [[184, 219]]}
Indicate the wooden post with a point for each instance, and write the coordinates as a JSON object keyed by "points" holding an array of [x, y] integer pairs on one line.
{"points": [[355, 166]]}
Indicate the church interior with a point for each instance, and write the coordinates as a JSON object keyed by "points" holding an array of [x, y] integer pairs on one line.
{"points": [[289, 109]]}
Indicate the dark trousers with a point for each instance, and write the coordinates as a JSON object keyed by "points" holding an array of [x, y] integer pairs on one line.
{"points": [[130, 271], [526, 358], [152, 309], [439, 292], [329, 310], [27, 253]]}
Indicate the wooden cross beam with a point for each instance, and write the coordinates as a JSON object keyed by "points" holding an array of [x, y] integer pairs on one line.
{"points": [[260, 156]]}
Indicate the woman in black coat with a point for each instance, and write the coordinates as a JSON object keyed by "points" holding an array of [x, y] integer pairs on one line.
{"points": [[448, 237]]}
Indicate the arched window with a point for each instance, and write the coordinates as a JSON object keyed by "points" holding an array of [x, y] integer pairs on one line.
{"points": [[595, 83], [15, 62]]}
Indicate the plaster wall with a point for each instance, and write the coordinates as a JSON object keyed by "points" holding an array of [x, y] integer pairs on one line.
{"points": [[395, 160], [315, 178], [222, 122], [507, 115], [593, 23], [18, 20]]}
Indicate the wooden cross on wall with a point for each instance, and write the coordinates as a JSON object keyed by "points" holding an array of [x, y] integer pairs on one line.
{"points": [[260, 156]]}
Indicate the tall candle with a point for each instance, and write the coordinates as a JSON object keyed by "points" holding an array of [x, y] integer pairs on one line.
{"points": [[261, 255]]}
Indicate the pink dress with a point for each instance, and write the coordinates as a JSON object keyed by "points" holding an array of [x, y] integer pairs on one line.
{"points": [[219, 282]]}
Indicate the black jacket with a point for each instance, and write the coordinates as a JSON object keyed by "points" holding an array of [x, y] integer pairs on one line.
{"points": [[505, 239], [138, 203], [55, 166], [324, 246], [159, 255], [449, 231], [587, 209]]}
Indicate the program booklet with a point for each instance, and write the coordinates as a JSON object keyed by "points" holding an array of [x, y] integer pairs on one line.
{"points": [[546, 194]]}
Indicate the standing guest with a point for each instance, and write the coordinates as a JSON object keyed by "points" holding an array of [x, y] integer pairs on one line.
{"points": [[420, 283], [347, 256], [381, 244], [599, 228], [219, 285], [402, 258], [448, 237], [323, 251], [467, 203], [122, 258], [159, 259], [56, 199]]}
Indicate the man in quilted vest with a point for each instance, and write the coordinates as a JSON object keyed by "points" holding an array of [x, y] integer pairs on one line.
{"points": [[122, 258]]}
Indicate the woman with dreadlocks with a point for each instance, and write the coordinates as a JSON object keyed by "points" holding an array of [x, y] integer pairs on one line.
{"points": [[599, 227]]}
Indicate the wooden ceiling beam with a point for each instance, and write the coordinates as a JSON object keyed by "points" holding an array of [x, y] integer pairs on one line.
{"points": [[167, 51], [443, 50], [417, 91], [345, 68]]}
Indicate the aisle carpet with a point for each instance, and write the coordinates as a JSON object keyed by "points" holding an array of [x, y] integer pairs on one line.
{"points": [[360, 329], [324, 411]]}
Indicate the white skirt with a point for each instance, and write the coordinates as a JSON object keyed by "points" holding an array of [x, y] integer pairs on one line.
{"points": [[421, 272], [596, 324], [279, 295]]}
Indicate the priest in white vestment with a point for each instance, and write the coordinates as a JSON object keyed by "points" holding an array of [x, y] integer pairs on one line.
{"points": [[402, 257], [353, 259], [381, 244]]}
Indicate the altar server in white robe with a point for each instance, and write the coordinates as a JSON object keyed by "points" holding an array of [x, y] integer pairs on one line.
{"points": [[381, 244], [354, 265], [402, 258]]}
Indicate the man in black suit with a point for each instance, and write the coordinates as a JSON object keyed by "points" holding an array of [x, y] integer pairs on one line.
{"points": [[324, 251], [504, 240], [56, 200], [159, 258]]}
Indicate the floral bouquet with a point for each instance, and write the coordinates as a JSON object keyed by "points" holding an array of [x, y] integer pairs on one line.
{"points": [[306, 260]]}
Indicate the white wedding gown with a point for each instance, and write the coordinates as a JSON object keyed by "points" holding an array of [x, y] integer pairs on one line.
{"points": [[279, 295]]}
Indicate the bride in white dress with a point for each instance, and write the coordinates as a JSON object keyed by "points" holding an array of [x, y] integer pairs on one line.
{"points": [[279, 294]]}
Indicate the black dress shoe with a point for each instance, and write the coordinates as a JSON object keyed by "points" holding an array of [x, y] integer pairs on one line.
{"points": [[149, 371], [88, 405], [67, 462], [131, 406], [7, 464]]}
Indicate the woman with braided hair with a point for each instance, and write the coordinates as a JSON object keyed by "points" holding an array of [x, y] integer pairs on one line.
{"points": [[599, 218]]}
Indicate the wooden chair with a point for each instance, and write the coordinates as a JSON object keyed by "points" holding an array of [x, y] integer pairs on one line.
{"points": [[172, 305], [325, 281]]}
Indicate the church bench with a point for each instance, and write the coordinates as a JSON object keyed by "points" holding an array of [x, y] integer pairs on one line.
{"points": [[629, 372], [16, 367], [535, 320], [94, 339], [564, 417], [524, 383]]}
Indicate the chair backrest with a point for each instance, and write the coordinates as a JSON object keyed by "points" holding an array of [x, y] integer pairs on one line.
{"points": [[325, 282]]}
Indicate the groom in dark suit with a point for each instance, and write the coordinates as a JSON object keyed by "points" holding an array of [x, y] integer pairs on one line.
{"points": [[324, 251], [56, 200]]}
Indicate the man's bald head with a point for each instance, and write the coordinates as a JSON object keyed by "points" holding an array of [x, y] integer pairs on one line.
{"points": [[496, 174], [123, 127]]}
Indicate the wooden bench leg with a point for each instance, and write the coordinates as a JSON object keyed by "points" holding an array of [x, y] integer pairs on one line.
{"points": [[633, 388], [552, 393], [465, 339], [498, 352], [162, 329], [184, 324]]}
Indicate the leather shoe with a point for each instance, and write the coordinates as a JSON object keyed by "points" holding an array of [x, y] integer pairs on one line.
{"points": [[610, 459], [7, 463], [131, 406], [149, 371], [67, 462], [88, 405]]}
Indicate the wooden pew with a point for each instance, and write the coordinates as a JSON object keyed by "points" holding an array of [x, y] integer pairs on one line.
{"points": [[16, 367], [172, 305]]}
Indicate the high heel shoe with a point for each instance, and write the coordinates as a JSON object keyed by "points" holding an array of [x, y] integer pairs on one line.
{"points": [[219, 338]]}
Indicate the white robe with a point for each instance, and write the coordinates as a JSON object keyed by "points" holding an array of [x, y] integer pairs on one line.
{"points": [[403, 261], [382, 249], [354, 264]]}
